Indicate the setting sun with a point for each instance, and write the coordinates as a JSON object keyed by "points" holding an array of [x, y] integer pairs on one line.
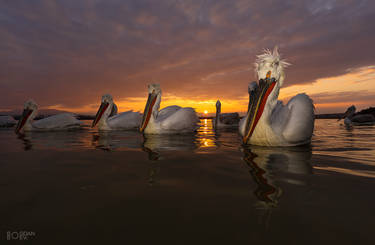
{"points": [[205, 112]]}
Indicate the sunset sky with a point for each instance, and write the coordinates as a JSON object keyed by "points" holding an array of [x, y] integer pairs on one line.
{"points": [[66, 54]]}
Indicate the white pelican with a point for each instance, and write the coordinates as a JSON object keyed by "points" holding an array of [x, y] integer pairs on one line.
{"points": [[170, 120], [268, 122], [61, 121], [7, 121], [107, 119], [357, 119], [223, 120]]}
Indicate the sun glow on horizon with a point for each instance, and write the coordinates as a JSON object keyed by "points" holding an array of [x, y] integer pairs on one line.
{"points": [[325, 93], [203, 107]]}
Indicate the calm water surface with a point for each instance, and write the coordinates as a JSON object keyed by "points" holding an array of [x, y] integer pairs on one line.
{"points": [[100, 188]]}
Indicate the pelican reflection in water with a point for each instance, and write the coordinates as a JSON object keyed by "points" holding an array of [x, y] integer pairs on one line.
{"points": [[56, 140], [169, 142], [158, 145], [115, 140], [204, 138], [155, 145], [266, 191], [267, 166]]}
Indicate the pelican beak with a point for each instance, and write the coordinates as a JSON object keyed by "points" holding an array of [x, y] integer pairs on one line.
{"points": [[257, 104], [148, 110], [21, 122], [99, 114]]}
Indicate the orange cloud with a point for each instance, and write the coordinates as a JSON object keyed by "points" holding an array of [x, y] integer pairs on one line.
{"points": [[334, 94]]}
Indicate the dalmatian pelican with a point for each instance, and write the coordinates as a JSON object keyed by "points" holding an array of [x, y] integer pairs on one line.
{"points": [[7, 121], [223, 120], [63, 121], [353, 119], [268, 122], [107, 118], [170, 120]]}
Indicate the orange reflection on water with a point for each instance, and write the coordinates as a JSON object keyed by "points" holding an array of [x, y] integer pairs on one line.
{"points": [[206, 134]]}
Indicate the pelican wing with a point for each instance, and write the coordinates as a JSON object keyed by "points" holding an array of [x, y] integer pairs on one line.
{"points": [[56, 122], [125, 120], [182, 120], [167, 112], [295, 121]]}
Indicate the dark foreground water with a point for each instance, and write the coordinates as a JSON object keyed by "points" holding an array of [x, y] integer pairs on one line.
{"points": [[101, 188]]}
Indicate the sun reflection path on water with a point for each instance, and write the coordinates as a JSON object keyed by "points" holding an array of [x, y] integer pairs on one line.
{"points": [[205, 137]]}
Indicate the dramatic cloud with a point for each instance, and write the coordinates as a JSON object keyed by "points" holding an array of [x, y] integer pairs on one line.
{"points": [[66, 54]]}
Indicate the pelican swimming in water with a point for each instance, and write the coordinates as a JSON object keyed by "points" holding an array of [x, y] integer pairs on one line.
{"points": [[63, 121], [107, 118], [7, 121], [352, 119], [268, 122], [170, 120], [223, 120]]}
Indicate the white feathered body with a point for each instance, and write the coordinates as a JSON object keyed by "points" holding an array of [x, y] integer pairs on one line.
{"points": [[172, 120], [284, 125], [124, 121], [61, 121]]}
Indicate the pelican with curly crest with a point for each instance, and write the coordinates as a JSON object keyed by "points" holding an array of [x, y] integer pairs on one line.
{"points": [[268, 122]]}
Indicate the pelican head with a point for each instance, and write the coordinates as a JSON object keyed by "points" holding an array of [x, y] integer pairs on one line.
{"points": [[218, 111], [30, 109], [152, 104], [270, 72], [350, 111], [270, 63], [218, 107], [105, 110]]}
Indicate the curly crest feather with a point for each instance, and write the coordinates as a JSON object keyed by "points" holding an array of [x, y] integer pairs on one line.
{"points": [[269, 57]]}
